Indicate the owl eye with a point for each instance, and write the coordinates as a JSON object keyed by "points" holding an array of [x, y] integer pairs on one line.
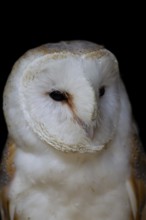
{"points": [[58, 96], [101, 91]]}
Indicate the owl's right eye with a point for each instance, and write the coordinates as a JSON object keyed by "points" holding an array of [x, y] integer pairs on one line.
{"points": [[58, 95]]}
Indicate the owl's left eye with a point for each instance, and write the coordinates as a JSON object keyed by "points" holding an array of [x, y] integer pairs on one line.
{"points": [[58, 95]]}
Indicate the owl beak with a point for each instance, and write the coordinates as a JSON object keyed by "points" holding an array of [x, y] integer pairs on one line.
{"points": [[90, 130]]}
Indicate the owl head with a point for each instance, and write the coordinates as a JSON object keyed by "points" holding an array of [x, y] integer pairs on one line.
{"points": [[64, 95]]}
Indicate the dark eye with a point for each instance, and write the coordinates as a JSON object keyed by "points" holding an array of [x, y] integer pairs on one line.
{"points": [[101, 91], [58, 96]]}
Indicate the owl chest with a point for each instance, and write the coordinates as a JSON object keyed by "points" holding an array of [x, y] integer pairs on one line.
{"points": [[68, 192]]}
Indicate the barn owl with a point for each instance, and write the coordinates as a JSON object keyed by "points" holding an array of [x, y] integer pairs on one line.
{"points": [[73, 151]]}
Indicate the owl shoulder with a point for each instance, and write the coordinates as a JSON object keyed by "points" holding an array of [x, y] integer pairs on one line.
{"points": [[138, 159], [136, 185], [7, 171], [7, 168]]}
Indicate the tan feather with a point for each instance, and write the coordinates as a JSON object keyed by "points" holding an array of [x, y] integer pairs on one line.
{"points": [[7, 171], [136, 185], [4, 205], [144, 214]]}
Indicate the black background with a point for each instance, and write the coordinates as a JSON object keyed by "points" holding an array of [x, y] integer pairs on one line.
{"points": [[120, 29]]}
